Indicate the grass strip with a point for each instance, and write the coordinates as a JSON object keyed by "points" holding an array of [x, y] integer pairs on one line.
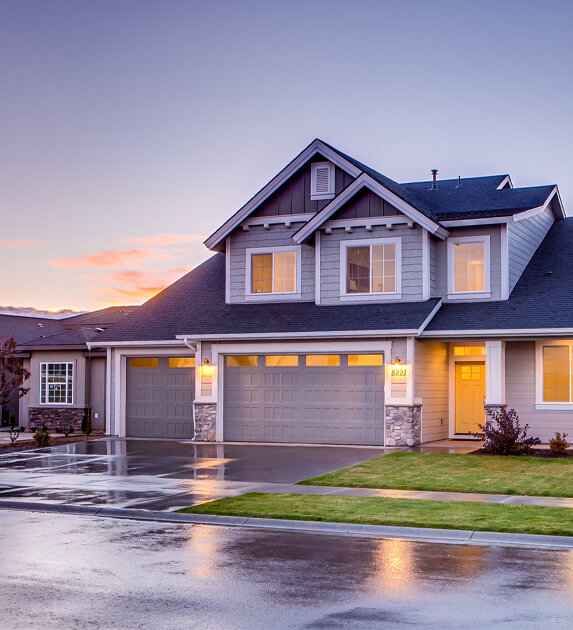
{"points": [[457, 473], [491, 517]]}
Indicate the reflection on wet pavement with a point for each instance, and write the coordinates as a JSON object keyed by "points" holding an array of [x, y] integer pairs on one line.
{"points": [[161, 474], [127, 574]]}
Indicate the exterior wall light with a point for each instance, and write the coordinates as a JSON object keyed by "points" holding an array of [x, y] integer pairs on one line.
{"points": [[206, 368]]}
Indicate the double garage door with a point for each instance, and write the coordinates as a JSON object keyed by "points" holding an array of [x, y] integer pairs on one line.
{"points": [[321, 399], [159, 397]]}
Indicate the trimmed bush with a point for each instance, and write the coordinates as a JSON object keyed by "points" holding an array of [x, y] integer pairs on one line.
{"points": [[558, 445], [505, 436]]}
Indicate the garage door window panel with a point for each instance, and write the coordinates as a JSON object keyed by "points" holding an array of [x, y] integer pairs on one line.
{"points": [[181, 362], [242, 361], [322, 360], [144, 362], [282, 360]]}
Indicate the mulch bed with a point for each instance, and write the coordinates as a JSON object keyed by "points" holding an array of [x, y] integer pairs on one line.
{"points": [[23, 445], [536, 452]]}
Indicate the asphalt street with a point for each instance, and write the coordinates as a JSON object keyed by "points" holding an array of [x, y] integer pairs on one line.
{"points": [[60, 571]]}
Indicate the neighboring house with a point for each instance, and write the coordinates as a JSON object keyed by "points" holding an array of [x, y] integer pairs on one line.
{"points": [[67, 380], [341, 307]]}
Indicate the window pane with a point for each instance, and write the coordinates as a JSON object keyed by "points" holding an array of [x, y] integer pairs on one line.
{"points": [[358, 270], [460, 351], [56, 383], [556, 373], [322, 360], [358, 360], [469, 267], [383, 268], [261, 273], [283, 360], [144, 362], [181, 362], [285, 272], [242, 361]]}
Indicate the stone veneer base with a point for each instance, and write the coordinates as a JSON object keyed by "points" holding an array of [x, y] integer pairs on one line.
{"points": [[63, 416], [205, 422], [403, 425]]}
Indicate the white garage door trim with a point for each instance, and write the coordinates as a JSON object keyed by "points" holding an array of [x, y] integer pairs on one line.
{"points": [[218, 351]]}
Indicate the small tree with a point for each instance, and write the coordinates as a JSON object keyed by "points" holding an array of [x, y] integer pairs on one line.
{"points": [[505, 436], [12, 372]]}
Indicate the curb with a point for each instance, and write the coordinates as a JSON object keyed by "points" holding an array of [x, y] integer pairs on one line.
{"points": [[419, 534]]}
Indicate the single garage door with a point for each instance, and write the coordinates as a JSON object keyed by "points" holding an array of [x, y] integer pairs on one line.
{"points": [[319, 399], [159, 397]]}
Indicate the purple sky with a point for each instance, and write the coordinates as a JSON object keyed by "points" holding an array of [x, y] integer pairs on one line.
{"points": [[130, 130]]}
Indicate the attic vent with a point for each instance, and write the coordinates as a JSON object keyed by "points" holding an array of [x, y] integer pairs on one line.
{"points": [[322, 180]]}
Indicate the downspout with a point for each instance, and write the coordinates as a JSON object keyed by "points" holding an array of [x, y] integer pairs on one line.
{"points": [[193, 347]]}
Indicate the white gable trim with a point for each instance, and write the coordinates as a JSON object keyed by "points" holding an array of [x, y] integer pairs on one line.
{"points": [[313, 148], [365, 181]]}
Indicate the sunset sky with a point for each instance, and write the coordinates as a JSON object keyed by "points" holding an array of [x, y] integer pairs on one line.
{"points": [[130, 130]]}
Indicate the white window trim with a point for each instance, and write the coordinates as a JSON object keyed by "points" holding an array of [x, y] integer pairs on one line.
{"points": [[540, 404], [469, 295], [56, 404], [269, 297], [314, 195], [368, 242]]}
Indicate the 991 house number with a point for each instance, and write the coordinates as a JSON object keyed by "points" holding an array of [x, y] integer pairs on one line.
{"points": [[399, 370]]}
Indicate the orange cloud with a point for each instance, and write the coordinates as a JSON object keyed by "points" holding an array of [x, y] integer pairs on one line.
{"points": [[31, 242], [109, 258], [136, 286], [164, 239]]}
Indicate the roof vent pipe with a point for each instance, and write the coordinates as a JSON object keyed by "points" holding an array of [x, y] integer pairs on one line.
{"points": [[434, 178], [459, 182]]}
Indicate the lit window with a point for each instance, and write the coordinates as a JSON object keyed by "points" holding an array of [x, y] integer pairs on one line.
{"points": [[365, 360], [469, 267], [371, 269], [273, 272], [144, 362], [242, 361], [181, 362], [281, 360], [557, 373], [322, 360], [56, 383], [464, 351]]}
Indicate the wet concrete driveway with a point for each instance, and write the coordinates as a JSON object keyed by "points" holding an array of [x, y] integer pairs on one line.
{"points": [[60, 571], [161, 474]]}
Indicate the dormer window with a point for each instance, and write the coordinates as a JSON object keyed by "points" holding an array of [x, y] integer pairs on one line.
{"points": [[468, 262], [321, 180], [274, 271]]}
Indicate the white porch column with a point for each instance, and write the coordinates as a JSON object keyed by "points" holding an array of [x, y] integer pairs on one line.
{"points": [[495, 373]]}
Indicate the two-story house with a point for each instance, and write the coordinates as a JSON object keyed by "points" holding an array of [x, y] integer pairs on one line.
{"points": [[341, 307]]}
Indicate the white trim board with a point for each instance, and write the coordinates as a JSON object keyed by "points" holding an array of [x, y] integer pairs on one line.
{"points": [[304, 335], [316, 146]]}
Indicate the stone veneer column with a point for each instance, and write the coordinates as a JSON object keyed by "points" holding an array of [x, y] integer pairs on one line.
{"points": [[58, 416], [205, 422], [403, 425], [491, 411]]}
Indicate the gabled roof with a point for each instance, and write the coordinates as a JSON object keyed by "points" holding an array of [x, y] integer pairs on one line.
{"points": [[24, 328], [195, 306], [101, 318], [315, 147], [541, 300], [77, 337]]}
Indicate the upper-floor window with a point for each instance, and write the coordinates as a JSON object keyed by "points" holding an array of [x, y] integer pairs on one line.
{"points": [[468, 262], [56, 383], [370, 267], [321, 180], [273, 271]]}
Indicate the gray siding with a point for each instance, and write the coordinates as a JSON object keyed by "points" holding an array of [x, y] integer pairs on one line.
{"points": [[437, 266], [431, 376], [257, 236], [520, 393], [440, 248], [294, 196], [411, 260], [523, 239], [366, 204]]}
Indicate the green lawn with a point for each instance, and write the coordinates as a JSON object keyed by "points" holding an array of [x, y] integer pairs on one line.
{"points": [[398, 512], [457, 473]]}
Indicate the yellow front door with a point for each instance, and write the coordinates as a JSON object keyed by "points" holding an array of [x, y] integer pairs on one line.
{"points": [[470, 393]]}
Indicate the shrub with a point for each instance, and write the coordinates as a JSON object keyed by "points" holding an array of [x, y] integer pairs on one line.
{"points": [[558, 445], [22, 429], [68, 430], [14, 434], [58, 428], [86, 423], [42, 437], [505, 436], [32, 427]]}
